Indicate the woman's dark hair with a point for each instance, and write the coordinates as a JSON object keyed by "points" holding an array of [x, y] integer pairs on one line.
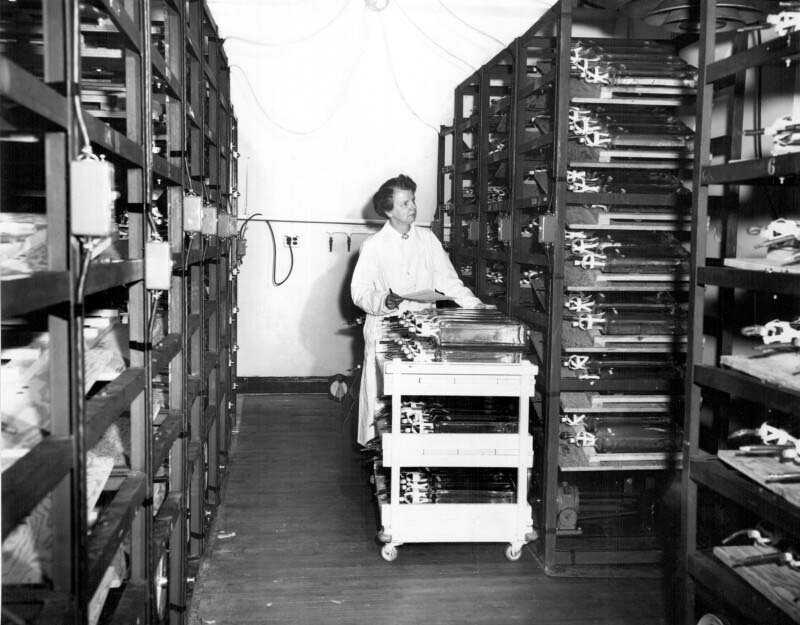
{"points": [[383, 200]]}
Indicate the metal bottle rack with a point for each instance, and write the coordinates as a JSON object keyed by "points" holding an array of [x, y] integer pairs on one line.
{"points": [[513, 151], [728, 389], [152, 81]]}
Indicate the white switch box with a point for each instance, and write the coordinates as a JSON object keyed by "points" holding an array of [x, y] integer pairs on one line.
{"points": [[223, 226], [209, 221], [504, 228], [192, 213], [92, 197], [157, 266]]}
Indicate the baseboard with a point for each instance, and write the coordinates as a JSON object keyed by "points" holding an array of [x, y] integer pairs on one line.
{"points": [[283, 385]]}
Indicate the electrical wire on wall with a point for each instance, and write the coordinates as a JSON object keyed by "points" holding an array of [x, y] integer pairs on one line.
{"points": [[151, 321], [77, 423], [431, 39], [275, 282], [396, 82], [348, 79], [205, 247], [243, 233], [468, 25], [278, 44], [188, 174], [246, 224], [188, 250], [336, 108], [188, 246]]}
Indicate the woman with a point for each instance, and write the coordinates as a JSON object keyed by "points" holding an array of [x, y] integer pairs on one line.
{"points": [[399, 258]]}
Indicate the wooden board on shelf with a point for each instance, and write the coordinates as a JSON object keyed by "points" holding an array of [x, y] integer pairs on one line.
{"points": [[578, 279], [779, 584], [607, 163], [583, 156], [773, 264], [25, 404], [575, 340], [780, 368], [596, 403], [582, 92], [579, 217], [574, 458], [758, 468]]}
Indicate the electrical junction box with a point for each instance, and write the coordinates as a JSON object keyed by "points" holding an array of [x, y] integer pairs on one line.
{"points": [[192, 213], [157, 266], [92, 197], [504, 229], [209, 221], [473, 231], [241, 248], [548, 228], [225, 226], [231, 225]]}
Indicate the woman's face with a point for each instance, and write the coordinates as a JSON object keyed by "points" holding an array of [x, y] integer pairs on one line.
{"points": [[404, 208]]}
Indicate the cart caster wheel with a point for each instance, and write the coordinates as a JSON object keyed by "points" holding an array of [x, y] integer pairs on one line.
{"points": [[389, 553], [384, 537], [513, 553]]}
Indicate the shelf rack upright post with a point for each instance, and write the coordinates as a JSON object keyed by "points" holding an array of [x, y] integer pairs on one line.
{"points": [[726, 388], [497, 154], [466, 156], [442, 224]]}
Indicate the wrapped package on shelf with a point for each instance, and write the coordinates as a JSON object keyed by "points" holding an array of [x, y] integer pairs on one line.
{"points": [[25, 408], [27, 551], [25, 393], [23, 244]]}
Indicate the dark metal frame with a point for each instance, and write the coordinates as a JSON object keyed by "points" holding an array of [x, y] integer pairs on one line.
{"points": [[551, 39], [704, 576], [57, 464]]}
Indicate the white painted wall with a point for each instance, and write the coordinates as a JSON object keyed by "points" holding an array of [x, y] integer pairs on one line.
{"points": [[322, 125], [325, 120]]}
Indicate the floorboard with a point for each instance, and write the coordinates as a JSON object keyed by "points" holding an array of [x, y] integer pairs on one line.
{"points": [[295, 544]]}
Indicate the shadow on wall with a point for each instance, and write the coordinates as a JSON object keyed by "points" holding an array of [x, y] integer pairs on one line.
{"points": [[330, 315], [368, 211], [329, 318], [350, 312]]}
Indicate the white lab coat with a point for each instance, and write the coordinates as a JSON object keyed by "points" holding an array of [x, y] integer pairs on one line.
{"points": [[387, 260]]}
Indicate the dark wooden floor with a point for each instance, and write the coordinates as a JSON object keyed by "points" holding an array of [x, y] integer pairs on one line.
{"points": [[304, 550]]}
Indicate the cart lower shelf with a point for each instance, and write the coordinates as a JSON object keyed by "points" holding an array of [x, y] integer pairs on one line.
{"points": [[454, 523]]}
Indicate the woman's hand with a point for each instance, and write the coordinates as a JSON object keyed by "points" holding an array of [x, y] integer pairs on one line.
{"points": [[393, 300]]}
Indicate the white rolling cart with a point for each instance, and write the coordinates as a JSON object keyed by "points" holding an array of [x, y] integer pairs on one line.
{"points": [[449, 522]]}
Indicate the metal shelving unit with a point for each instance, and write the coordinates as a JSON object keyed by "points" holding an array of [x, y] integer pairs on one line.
{"points": [[124, 63], [521, 239], [562, 212], [724, 392]]}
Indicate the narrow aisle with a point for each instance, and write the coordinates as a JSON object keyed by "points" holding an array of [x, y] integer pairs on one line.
{"points": [[300, 549]]}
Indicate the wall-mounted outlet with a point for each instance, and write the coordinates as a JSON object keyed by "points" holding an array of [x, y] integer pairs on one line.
{"points": [[291, 241]]}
